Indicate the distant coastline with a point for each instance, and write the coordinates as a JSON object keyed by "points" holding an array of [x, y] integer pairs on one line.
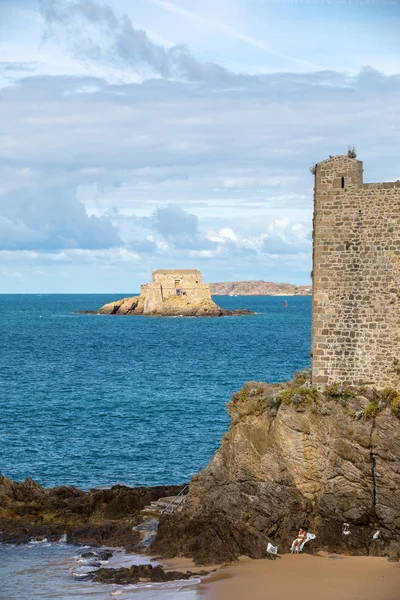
{"points": [[259, 288]]}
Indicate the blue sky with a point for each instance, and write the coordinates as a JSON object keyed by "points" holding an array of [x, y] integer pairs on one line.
{"points": [[160, 134]]}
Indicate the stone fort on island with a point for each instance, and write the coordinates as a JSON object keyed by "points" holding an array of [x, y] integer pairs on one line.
{"points": [[356, 277], [172, 283]]}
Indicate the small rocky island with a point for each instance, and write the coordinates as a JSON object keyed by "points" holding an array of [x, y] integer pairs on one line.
{"points": [[172, 293]]}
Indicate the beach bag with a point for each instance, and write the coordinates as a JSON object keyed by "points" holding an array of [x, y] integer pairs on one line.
{"points": [[272, 549]]}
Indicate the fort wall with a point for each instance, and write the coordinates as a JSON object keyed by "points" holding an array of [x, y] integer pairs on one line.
{"points": [[165, 284], [356, 277]]}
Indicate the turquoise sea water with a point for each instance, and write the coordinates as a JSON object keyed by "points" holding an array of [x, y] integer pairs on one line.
{"points": [[91, 400]]}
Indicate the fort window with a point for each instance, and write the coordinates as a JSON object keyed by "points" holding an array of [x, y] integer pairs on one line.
{"points": [[342, 182]]}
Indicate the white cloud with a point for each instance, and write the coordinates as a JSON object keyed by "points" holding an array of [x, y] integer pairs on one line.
{"points": [[51, 218], [93, 32], [79, 256], [184, 163]]}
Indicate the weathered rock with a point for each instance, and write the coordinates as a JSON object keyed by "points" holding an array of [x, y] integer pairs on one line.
{"points": [[105, 554], [139, 573], [89, 555], [126, 306], [98, 517], [394, 552], [176, 306], [292, 458]]}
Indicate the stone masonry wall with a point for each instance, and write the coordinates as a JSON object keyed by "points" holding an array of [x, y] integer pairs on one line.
{"points": [[356, 277], [163, 286]]}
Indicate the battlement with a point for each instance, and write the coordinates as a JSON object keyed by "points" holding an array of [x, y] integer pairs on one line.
{"points": [[356, 277]]}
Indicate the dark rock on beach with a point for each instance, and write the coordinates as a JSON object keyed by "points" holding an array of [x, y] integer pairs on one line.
{"points": [[140, 574], [98, 517], [104, 554], [89, 555]]}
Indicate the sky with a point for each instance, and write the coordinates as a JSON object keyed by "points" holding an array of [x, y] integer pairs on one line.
{"points": [[145, 134]]}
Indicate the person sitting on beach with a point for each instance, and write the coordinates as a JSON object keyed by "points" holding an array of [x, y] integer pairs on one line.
{"points": [[301, 536]]}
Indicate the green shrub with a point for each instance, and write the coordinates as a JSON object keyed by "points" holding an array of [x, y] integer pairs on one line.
{"points": [[301, 377], [335, 391], [259, 406], [243, 394], [395, 405], [285, 397], [388, 395], [371, 410], [300, 395]]}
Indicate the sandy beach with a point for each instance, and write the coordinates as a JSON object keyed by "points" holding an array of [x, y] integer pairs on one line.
{"points": [[305, 577]]}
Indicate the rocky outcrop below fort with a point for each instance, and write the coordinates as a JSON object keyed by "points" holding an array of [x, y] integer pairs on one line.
{"points": [[296, 457], [175, 306], [98, 517], [259, 288]]}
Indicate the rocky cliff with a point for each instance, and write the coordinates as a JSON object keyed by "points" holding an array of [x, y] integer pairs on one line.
{"points": [[295, 457], [174, 306], [258, 288]]}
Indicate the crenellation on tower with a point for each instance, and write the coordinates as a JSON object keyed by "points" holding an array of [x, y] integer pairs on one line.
{"points": [[356, 277]]}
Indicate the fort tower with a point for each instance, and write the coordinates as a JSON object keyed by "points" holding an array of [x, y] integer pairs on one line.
{"points": [[356, 277]]}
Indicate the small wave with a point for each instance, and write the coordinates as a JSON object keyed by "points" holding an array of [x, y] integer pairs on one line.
{"points": [[83, 571], [166, 585]]}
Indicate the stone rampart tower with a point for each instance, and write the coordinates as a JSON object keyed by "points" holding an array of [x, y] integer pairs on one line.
{"points": [[356, 277]]}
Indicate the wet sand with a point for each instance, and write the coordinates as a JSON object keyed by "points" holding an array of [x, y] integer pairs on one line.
{"points": [[306, 577]]}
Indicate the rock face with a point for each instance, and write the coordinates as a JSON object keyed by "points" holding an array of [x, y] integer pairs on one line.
{"points": [[259, 288], [294, 457], [125, 306], [98, 517], [176, 306], [140, 574]]}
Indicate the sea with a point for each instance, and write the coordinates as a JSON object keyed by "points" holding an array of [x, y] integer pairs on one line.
{"points": [[96, 400]]}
